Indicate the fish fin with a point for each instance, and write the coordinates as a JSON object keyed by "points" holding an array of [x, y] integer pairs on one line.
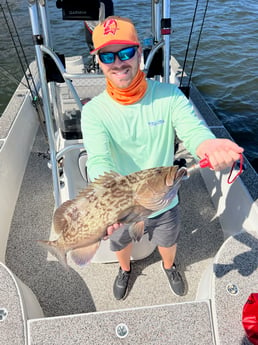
{"points": [[58, 252], [133, 214], [127, 216], [59, 221], [81, 256], [136, 230], [105, 180], [148, 203], [100, 183], [106, 176]]}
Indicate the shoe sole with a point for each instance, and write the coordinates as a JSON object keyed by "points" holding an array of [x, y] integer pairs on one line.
{"points": [[123, 298]]}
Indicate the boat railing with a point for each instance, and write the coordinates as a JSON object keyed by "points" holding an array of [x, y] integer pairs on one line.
{"points": [[67, 77], [151, 55]]}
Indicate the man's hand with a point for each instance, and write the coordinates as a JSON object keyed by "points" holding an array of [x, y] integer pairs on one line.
{"points": [[222, 153], [111, 229]]}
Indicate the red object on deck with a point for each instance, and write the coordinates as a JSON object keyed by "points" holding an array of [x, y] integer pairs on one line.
{"points": [[250, 318]]}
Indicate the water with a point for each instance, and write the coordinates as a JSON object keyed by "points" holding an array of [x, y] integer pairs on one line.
{"points": [[226, 69]]}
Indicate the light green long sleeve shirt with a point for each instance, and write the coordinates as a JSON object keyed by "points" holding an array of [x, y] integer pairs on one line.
{"points": [[129, 138]]}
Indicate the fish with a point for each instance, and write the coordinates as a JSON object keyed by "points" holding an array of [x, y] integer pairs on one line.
{"points": [[81, 223]]}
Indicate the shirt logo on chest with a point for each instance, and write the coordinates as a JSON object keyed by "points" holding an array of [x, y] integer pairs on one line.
{"points": [[156, 123]]}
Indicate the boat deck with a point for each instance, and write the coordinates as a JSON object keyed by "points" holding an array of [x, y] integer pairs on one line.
{"points": [[89, 289], [85, 296], [78, 303]]}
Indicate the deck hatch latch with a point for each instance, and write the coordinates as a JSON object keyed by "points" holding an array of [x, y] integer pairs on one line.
{"points": [[122, 330], [3, 314], [232, 289]]}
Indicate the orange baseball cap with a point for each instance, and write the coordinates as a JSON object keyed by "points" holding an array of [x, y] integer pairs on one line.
{"points": [[114, 30]]}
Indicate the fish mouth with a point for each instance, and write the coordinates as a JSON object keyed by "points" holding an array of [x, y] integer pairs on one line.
{"points": [[175, 175], [176, 183]]}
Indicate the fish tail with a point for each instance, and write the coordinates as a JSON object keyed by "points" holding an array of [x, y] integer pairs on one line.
{"points": [[81, 256], [58, 252]]}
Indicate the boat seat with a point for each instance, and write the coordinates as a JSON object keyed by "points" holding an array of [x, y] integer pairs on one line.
{"points": [[82, 160], [17, 305], [83, 156], [228, 282]]}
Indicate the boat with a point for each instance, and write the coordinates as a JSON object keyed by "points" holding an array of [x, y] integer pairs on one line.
{"points": [[43, 164]]}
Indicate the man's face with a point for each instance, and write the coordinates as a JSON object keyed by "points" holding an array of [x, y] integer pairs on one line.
{"points": [[120, 73]]}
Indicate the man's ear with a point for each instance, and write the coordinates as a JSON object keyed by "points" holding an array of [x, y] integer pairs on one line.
{"points": [[139, 52], [98, 61]]}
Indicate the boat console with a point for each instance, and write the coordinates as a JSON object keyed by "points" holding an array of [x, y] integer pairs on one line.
{"points": [[79, 9]]}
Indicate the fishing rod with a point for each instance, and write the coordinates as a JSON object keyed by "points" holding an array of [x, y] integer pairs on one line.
{"points": [[185, 89], [36, 103], [11, 77], [16, 48], [35, 98], [198, 41]]}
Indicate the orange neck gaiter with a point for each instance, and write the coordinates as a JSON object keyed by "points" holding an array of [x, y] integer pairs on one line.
{"points": [[131, 94]]}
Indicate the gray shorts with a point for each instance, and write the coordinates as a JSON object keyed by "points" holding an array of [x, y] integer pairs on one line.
{"points": [[163, 231]]}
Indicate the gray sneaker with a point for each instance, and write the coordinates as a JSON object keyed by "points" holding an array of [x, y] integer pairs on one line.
{"points": [[121, 284], [175, 280]]}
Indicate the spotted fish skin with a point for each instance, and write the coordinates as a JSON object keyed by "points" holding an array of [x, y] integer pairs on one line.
{"points": [[112, 198]]}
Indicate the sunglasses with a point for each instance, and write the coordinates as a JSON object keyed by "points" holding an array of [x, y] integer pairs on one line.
{"points": [[123, 55]]}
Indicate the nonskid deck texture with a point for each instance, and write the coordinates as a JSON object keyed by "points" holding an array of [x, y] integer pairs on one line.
{"points": [[177, 324], [82, 297], [89, 289]]}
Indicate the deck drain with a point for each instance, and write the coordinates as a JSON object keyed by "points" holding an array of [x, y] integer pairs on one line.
{"points": [[3, 314], [232, 289], [122, 330]]}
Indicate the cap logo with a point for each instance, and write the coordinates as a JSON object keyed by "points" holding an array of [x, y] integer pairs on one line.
{"points": [[110, 27]]}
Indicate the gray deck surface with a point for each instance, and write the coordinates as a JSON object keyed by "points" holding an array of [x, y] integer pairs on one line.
{"points": [[236, 265], [158, 325], [12, 327], [88, 291]]}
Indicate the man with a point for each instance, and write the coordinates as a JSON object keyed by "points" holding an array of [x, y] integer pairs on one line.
{"points": [[131, 126]]}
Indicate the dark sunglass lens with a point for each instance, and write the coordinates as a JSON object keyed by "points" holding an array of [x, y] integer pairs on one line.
{"points": [[123, 55], [107, 57], [127, 53]]}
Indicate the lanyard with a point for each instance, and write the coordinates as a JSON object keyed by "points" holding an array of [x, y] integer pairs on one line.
{"points": [[205, 163]]}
